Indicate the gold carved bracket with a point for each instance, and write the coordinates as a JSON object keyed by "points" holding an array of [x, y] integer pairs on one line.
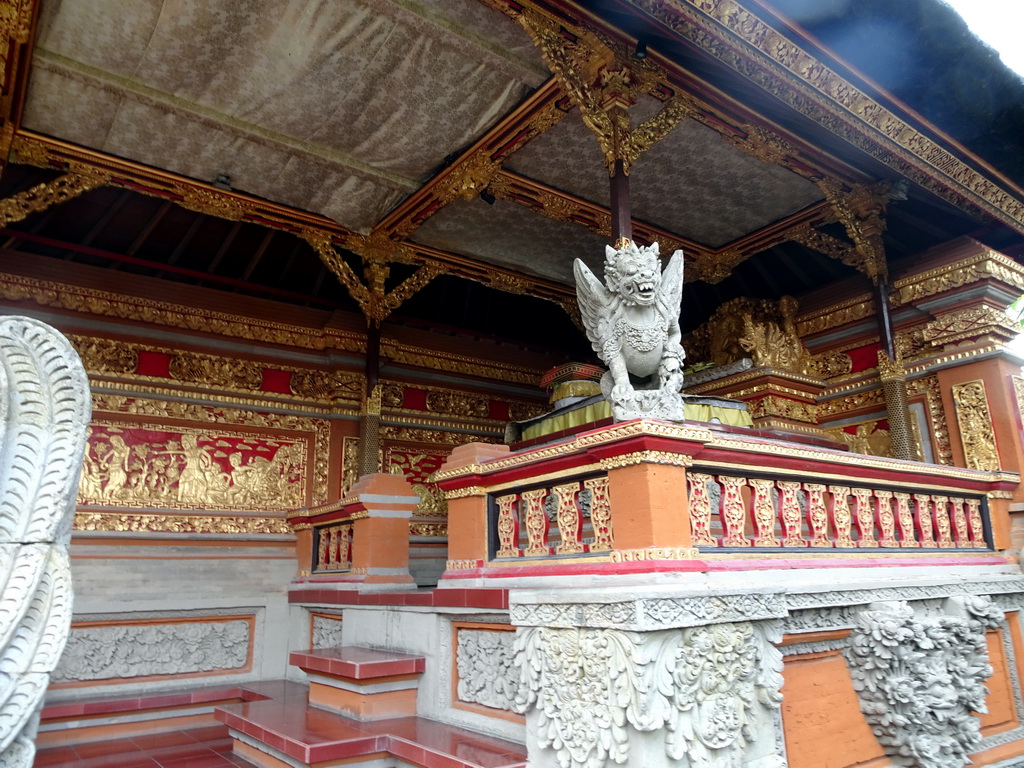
{"points": [[861, 210], [605, 82], [374, 300], [50, 193]]}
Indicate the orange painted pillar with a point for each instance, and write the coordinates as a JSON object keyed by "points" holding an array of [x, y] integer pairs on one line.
{"points": [[467, 507], [649, 505], [380, 516], [304, 548]]}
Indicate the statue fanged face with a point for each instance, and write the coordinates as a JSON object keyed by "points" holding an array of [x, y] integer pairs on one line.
{"points": [[634, 273]]}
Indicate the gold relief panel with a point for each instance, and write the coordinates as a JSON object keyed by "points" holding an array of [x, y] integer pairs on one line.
{"points": [[987, 265], [435, 437], [976, 432], [244, 453], [147, 465], [329, 386], [458, 404], [928, 388], [104, 356]]}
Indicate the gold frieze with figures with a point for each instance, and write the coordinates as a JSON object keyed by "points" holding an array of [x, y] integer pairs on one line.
{"points": [[148, 465]]}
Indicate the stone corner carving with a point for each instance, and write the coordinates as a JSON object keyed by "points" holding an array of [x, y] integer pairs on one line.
{"points": [[920, 678], [632, 320], [45, 409], [710, 693]]}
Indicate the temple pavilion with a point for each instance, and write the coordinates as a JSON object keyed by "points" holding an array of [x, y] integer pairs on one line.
{"points": [[350, 494]]}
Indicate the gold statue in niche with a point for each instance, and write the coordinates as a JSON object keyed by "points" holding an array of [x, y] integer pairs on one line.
{"points": [[762, 330], [132, 467]]}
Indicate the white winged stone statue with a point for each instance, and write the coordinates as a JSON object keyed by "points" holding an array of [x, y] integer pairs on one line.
{"points": [[633, 322], [44, 417]]}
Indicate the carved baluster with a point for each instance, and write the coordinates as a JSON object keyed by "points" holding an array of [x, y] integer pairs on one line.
{"points": [[960, 531], [975, 523], [942, 521], [332, 549], [570, 521], [600, 514], [886, 522], [789, 511], [764, 512], [536, 523], [321, 553], [905, 519], [345, 546], [864, 517], [508, 526], [924, 519], [700, 510], [817, 515], [734, 512], [841, 518]]}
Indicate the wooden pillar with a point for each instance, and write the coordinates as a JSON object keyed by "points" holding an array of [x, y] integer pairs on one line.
{"points": [[622, 216], [893, 376], [369, 414]]}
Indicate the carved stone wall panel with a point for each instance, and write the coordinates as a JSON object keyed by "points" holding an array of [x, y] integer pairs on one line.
{"points": [[111, 652], [487, 674], [325, 630]]}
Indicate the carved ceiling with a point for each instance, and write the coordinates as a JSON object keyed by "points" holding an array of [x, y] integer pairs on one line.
{"points": [[371, 127]]}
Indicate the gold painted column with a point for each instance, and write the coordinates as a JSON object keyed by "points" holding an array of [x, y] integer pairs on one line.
{"points": [[369, 412]]}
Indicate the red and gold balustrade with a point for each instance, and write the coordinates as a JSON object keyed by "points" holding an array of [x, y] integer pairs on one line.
{"points": [[663, 496], [362, 538]]}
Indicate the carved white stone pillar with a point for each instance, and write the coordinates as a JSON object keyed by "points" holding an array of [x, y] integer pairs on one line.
{"points": [[44, 417], [650, 681]]}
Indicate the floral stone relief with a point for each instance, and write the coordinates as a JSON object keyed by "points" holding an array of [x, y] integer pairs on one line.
{"points": [[920, 679], [701, 696]]}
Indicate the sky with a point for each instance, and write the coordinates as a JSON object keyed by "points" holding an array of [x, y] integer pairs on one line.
{"points": [[1000, 23]]}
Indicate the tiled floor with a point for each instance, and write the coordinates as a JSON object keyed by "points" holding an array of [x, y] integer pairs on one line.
{"points": [[208, 747]]}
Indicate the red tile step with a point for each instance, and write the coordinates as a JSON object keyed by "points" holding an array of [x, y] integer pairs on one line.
{"points": [[309, 735], [357, 663]]}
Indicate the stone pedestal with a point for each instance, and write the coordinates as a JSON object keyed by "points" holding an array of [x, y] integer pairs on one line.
{"points": [[646, 681]]}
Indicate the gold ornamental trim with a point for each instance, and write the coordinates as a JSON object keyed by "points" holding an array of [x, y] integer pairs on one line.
{"points": [[654, 553], [106, 304], [1000, 494], [125, 522], [989, 264], [397, 352], [462, 565], [464, 493], [787, 71], [836, 315], [646, 457]]}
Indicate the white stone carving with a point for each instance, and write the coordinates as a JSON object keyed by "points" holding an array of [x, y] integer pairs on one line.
{"points": [[633, 322], [118, 651], [487, 671], [45, 411], [921, 678], [650, 612], [709, 694], [326, 631]]}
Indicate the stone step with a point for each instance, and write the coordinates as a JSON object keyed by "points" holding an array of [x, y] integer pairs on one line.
{"points": [[362, 683], [286, 731]]}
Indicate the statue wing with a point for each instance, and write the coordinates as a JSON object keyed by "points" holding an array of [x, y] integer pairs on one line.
{"points": [[671, 295], [596, 304], [44, 417]]}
